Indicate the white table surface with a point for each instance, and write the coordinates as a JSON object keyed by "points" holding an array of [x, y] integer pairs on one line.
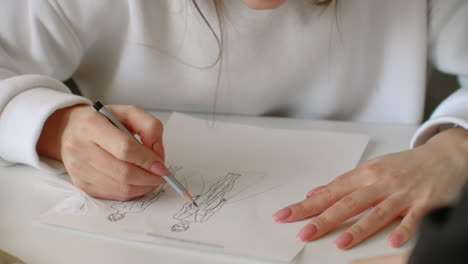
{"points": [[21, 201]]}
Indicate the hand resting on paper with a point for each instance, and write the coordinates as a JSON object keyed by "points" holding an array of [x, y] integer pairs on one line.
{"points": [[405, 184], [101, 159]]}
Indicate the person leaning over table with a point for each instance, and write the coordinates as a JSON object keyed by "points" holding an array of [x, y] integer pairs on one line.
{"points": [[356, 60], [443, 238]]}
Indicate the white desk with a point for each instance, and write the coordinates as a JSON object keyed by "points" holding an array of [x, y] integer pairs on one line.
{"points": [[21, 202]]}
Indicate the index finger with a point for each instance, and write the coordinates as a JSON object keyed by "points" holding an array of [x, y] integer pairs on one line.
{"points": [[319, 201], [347, 207], [140, 122]]}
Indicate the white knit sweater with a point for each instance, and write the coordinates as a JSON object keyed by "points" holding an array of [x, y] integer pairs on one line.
{"points": [[365, 61]]}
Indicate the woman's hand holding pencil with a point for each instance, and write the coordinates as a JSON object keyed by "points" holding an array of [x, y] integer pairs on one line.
{"points": [[100, 158]]}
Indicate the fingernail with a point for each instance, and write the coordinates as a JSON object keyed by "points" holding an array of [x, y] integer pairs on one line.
{"points": [[344, 240], [307, 232], [158, 148], [395, 239], [159, 169], [316, 189], [282, 214]]}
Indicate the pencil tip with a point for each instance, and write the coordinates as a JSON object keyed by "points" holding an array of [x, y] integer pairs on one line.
{"points": [[194, 203]]}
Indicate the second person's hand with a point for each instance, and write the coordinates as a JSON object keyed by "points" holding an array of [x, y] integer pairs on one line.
{"points": [[405, 184], [102, 160]]}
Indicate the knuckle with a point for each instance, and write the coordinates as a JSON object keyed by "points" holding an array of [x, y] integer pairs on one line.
{"points": [[321, 223], [415, 217], [349, 202], [357, 230], [404, 229], [341, 180], [412, 218], [327, 194], [379, 213], [427, 199], [298, 209], [372, 167]]}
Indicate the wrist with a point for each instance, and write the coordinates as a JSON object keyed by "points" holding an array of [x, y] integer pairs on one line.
{"points": [[452, 142], [50, 140]]}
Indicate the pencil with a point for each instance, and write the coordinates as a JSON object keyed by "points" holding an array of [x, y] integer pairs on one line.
{"points": [[171, 180]]}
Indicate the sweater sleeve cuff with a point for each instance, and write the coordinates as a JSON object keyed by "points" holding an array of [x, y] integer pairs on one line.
{"points": [[21, 125], [434, 126], [453, 111]]}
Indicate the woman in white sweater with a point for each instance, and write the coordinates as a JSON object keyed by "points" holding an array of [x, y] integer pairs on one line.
{"points": [[358, 60]]}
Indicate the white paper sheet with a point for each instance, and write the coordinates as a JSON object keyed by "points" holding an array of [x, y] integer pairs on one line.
{"points": [[239, 175]]}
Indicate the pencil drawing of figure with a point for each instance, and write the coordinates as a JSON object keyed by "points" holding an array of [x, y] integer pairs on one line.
{"points": [[140, 204], [209, 202], [135, 206]]}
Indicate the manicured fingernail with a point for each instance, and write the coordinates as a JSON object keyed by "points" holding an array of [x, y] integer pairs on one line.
{"points": [[159, 169], [395, 239], [282, 214], [344, 240], [316, 189], [307, 232], [158, 148]]}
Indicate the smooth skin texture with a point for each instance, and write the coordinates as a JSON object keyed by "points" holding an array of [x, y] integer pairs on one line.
{"points": [[405, 184], [101, 159]]}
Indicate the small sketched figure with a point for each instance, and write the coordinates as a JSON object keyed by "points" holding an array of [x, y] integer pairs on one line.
{"points": [[139, 205], [136, 206], [181, 226], [209, 203]]}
